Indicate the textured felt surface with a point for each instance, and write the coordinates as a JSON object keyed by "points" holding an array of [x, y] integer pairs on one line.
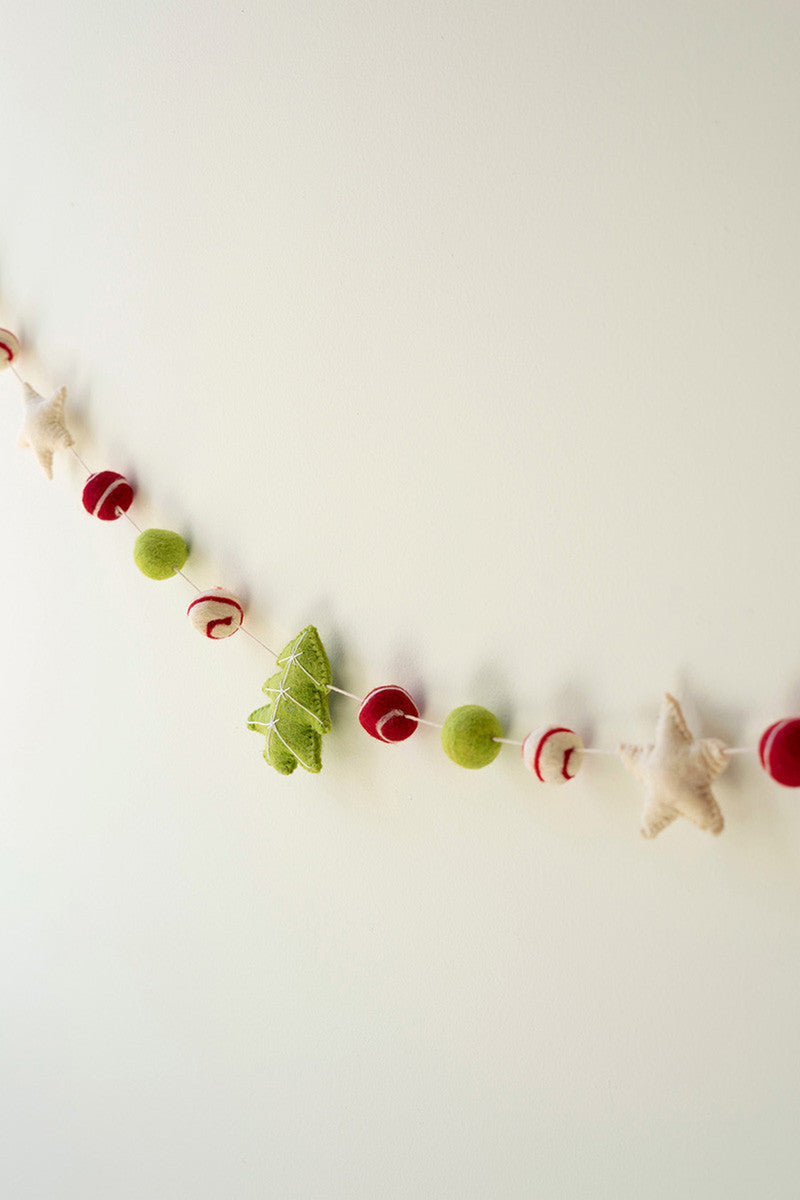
{"points": [[43, 427], [215, 614], [9, 348], [469, 331], [297, 714], [107, 495], [159, 553], [385, 713], [467, 736], [677, 772], [779, 751], [554, 754]]}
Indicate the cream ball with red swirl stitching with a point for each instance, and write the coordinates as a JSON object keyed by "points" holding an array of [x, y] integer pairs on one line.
{"points": [[9, 348], [215, 614], [553, 753]]}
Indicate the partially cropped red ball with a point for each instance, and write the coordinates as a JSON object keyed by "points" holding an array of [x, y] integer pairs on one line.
{"points": [[387, 714], [779, 751], [107, 495]]}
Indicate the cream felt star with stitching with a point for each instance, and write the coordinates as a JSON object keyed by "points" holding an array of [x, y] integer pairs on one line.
{"points": [[43, 427], [677, 772]]}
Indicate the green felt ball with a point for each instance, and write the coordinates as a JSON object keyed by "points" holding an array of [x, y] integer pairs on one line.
{"points": [[467, 736], [159, 553]]}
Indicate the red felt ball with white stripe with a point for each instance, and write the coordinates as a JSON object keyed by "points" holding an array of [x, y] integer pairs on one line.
{"points": [[107, 495], [779, 751], [554, 754], [387, 714], [9, 348], [215, 614]]}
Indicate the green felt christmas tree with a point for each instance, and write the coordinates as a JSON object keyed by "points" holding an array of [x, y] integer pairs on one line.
{"points": [[297, 714]]}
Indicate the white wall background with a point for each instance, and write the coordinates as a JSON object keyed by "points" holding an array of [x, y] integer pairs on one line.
{"points": [[468, 332]]}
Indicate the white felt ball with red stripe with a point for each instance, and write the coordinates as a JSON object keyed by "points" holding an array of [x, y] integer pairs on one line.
{"points": [[9, 348], [107, 495], [215, 614], [387, 714], [553, 753]]}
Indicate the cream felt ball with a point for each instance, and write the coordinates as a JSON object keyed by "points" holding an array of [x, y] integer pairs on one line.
{"points": [[553, 753], [779, 751], [9, 348], [159, 553], [468, 736], [215, 614]]}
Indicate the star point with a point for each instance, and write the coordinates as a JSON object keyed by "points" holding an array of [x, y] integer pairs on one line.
{"points": [[677, 772], [43, 427]]}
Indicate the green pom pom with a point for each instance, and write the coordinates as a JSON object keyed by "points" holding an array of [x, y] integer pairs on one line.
{"points": [[159, 553], [467, 736]]}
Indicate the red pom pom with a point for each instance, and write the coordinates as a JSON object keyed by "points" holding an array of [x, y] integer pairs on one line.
{"points": [[105, 493], [385, 714], [779, 751]]}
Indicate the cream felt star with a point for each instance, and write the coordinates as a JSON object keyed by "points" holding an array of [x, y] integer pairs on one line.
{"points": [[43, 427], [677, 772]]}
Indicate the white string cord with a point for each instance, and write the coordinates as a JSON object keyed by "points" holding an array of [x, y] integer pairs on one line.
{"points": [[422, 721], [342, 692], [74, 452], [258, 641], [614, 753], [198, 589], [129, 519], [190, 582]]}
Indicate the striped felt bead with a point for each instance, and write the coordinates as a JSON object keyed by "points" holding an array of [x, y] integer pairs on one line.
{"points": [[387, 714], [553, 753], [107, 495], [215, 614], [9, 348], [779, 751]]}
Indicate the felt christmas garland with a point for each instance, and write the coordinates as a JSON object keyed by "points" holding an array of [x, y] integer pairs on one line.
{"points": [[676, 770]]}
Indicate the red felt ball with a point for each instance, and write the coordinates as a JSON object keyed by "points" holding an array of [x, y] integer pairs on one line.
{"points": [[386, 714], [779, 751], [105, 493]]}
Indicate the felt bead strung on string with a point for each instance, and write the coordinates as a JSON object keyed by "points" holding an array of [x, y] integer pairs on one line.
{"points": [[676, 770], [554, 754], [677, 773], [43, 427], [779, 751], [388, 714], [297, 714], [469, 736], [9, 348], [215, 614], [107, 495], [159, 553]]}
